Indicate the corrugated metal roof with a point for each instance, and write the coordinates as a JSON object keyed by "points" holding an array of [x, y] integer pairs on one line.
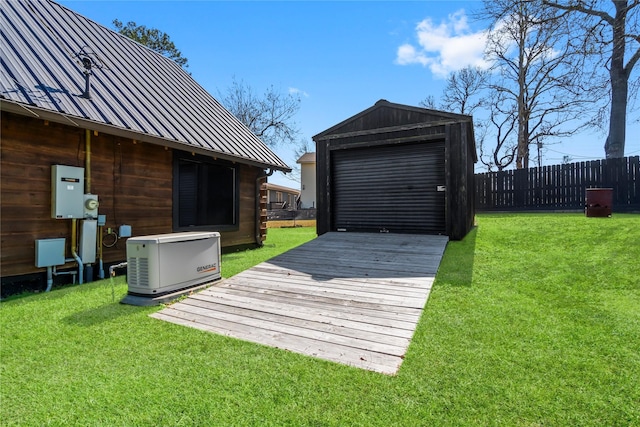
{"points": [[138, 92]]}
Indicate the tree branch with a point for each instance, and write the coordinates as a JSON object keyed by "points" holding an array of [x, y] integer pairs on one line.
{"points": [[578, 8]]}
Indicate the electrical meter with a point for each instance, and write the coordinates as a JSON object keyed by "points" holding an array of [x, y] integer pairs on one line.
{"points": [[91, 206]]}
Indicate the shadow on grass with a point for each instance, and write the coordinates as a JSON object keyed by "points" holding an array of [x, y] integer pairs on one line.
{"points": [[456, 267], [104, 313]]}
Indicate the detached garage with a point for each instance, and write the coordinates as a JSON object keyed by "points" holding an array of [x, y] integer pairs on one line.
{"points": [[399, 169]]}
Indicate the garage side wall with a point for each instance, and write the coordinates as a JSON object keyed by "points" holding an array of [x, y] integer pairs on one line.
{"points": [[323, 189], [460, 179]]}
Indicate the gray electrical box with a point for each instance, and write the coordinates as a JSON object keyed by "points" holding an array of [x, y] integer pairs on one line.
{"points": [[87, 245], [49, 252], [67, 192]]}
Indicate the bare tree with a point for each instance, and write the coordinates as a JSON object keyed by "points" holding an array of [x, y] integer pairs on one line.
{"points": [[429, 102], [530, 49], [498, 147], [614, 27], [269, 116], [463, 93]]}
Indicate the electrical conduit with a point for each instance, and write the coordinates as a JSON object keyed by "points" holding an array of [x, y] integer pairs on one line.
{"points": [[87, 161], [100, 265], [49, 278], [87, 190]]}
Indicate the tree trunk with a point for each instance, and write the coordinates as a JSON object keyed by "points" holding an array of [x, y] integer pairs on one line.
{"points": [[522, 156], [614, 145]]}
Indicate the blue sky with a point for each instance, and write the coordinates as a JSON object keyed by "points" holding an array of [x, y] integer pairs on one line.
{"points": [[340, 57]]}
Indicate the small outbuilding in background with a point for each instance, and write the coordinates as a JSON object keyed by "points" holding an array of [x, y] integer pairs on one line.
{"points": [[397, 168]]}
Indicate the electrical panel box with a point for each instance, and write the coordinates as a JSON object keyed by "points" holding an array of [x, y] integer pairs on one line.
{"points": [[67, 192], [163, 263], [50, 252], [87, 245], [124, 231]]}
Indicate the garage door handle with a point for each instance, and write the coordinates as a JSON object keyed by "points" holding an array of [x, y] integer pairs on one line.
{"points": [[442, 188]]}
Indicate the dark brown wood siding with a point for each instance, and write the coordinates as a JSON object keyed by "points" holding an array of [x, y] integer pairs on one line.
{"points": [[460, 179], [249, 194], [133, 181]]}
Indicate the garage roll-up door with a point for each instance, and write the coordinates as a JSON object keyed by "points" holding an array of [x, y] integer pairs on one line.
{"points": [[389, 188]]}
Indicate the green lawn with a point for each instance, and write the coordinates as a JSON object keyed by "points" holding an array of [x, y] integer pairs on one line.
{"points": [[534, 320]]}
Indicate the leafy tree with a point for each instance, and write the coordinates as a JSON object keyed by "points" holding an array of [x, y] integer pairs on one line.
{"points": [[269, 116], [153, 39], [610, 28]]}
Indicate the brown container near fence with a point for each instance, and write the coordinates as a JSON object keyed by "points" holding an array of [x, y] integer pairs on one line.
{"points": [[599, 202]]}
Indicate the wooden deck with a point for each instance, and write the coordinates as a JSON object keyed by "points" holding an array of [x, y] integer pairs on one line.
{"points": [[352, 298]]}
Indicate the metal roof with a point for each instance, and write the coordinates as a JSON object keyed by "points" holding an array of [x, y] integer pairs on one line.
{"points": [[307, 158], [282, 188], [436, 117], [135, 92]]}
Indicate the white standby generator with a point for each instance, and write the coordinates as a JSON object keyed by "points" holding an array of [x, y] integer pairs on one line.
{"points": [[163, 263]]}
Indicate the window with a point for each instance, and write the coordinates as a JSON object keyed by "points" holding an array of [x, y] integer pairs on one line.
{"points": [[205, 194]]}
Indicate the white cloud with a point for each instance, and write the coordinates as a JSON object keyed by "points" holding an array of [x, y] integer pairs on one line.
{"points": [[407, 54], [296, 91], [446, 47]]}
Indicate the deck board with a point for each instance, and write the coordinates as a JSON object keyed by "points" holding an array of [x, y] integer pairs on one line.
{"points": [[351, 298]]}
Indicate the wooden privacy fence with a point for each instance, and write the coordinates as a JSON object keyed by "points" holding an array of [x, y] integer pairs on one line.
{"points": [[560, 187]]}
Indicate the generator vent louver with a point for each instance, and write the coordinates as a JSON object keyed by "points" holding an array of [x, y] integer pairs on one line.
{"points": [[164, 263], [138, 270]]}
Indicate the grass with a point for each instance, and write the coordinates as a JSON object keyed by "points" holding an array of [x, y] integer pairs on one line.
{"points": [[534, 320]]}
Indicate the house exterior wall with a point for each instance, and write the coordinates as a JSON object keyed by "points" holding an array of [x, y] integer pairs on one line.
{"points": [[279, 196], [133, 182], [308, 185]]}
